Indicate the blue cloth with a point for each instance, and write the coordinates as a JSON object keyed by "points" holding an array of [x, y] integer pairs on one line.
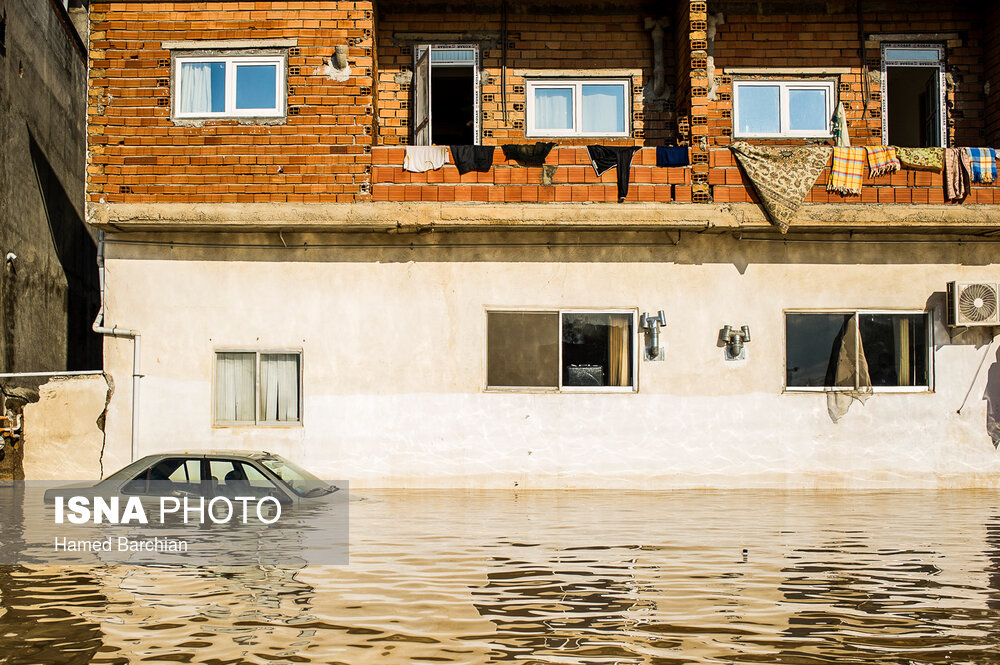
{"points": [[666, 156], [984, 164]]}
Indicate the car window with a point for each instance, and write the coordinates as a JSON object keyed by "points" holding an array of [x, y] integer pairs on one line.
{"points": [[165, 475]]}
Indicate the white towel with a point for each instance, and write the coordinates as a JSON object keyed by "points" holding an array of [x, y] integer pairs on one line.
{"points": [[420, 158], [840, 126]]}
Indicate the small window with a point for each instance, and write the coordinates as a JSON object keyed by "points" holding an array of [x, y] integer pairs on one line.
{"points": [[889, 350], [234, 86], [254, 387], [175, 474], [561, 350], [581, 107], [783, 108]]}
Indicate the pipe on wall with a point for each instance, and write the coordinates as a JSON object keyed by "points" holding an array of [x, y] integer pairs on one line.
{"points": [[115, 331]]}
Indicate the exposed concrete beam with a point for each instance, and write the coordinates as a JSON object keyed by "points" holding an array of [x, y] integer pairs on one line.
{"points": [[354, 217]]}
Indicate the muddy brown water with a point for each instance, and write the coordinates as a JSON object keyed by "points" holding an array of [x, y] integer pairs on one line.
{"points": [[559, 577]]}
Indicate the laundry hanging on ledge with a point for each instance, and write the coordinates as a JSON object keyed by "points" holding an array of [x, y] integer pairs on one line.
{"points": [[847, 170], [921, 159], [472, 157], [672, 156], [882, 160], [957, 174], [781, 175], [527, 154], [604, 157], [984, 164], [420, 158]]}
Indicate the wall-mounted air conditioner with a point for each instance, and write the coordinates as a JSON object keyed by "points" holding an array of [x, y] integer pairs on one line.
{"points": [[973, 304]]}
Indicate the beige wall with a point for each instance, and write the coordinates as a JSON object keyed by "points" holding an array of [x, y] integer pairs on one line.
{"points": [[392, 341]]}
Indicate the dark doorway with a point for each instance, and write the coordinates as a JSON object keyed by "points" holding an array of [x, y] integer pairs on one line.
{"points": [[453, 105], [914, 114]]}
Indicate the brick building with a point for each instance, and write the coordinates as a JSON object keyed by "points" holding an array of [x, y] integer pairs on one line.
{"points": [[299, 289]]}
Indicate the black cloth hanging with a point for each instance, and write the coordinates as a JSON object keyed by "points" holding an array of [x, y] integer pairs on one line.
{"points": [[670, 156], [472, 157], [529, 154], [605, 157]]}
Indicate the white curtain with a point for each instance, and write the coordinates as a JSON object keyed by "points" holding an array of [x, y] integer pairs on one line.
{"points": [[279, 387], [196, 87], [901, 333], [553, 108], [234, 387], [603, 108]]}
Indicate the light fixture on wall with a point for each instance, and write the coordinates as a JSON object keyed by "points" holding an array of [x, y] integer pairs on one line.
{"points": [[734, 341], [651, 324]]}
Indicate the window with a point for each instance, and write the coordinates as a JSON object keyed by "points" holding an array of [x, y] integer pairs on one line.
{"points": [[561, 350], [913, 97], [231, 478], [853, 350], [170, 475], [230, 86], [446, 94], [783, 108], [255, 387], [578, 107]]}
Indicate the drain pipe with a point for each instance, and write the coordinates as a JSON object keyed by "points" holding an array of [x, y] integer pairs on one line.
{"points": [[115, 331]]}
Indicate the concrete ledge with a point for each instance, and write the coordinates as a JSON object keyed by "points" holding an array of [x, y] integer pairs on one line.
{"points": [[356, 217]]}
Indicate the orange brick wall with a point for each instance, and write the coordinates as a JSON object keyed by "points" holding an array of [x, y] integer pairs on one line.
{"points": [[555, 41], [832, 40], [138, 154], [574, 180]]}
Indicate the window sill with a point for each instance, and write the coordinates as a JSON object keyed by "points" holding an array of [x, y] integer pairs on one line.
{"points": [[882, 390]]}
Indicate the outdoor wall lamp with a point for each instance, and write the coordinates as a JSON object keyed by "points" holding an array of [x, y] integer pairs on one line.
{"points": [[734, 340], [651, 324]]}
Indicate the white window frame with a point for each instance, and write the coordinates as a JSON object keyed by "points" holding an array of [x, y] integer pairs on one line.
{"points": [[929, 388], [232, 62], [631, 311], [426, 138], [576, 85], [257, 422], [942, 87], [784, 111]]}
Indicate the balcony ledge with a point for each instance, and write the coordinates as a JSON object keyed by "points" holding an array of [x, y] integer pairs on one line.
{"points": [[411, 217]]}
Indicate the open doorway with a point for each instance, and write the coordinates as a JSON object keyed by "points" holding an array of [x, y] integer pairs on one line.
{"points": [[446, 92], [913, 95]]}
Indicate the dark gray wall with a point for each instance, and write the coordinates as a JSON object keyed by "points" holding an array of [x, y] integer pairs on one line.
{"points": [[49, 294]]}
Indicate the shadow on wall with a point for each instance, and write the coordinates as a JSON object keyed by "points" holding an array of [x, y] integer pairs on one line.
{"points": [[77, 255], [992, 397]]}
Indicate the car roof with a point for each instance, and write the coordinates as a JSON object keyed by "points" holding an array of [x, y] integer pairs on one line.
{"points": [[238, 454]]}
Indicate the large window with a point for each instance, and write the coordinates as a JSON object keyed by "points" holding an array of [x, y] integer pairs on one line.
{"points": [[578, 107], [857, 349], [794, 108], [230, 86], [571, 350], [258, 387], [446, 94]]}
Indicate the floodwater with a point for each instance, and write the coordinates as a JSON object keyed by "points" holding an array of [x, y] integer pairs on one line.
{"points": [[559, 577]]}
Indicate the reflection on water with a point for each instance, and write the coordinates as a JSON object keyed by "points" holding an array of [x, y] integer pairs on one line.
{"points": [[559, 577]]}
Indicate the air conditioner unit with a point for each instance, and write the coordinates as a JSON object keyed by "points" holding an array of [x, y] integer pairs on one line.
{"points": [[973, 304]]}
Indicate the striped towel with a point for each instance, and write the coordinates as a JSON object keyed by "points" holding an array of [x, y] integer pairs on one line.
{"points": [[848, 167], [984, 164], [882, 160]]}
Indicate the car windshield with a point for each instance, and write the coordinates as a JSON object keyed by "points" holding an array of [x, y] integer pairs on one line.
{"points": [[298, 479]]}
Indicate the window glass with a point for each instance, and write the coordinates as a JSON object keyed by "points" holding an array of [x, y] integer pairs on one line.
{"points": [[553, 108], [895, 347], [298, 479], [596, 349], [603, 109], [912, 54], [812, 346], [522, 349], [759, 109], [257, 480], [235, 386], [807, 109], [166, 475], [203, 87], [279, 387], [256, 86]]}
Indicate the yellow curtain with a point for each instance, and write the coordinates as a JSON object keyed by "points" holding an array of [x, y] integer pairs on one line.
{"points": [[901, 326], [619, 363]]}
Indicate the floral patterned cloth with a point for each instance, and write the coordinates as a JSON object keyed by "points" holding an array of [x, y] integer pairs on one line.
{"points": [[921, 159], [782, 175]]}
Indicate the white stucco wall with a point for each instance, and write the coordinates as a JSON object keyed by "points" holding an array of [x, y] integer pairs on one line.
{"points": [[393, 345]]}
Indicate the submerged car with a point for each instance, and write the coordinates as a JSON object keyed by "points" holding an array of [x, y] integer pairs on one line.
{"points": [[210, 474]]}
